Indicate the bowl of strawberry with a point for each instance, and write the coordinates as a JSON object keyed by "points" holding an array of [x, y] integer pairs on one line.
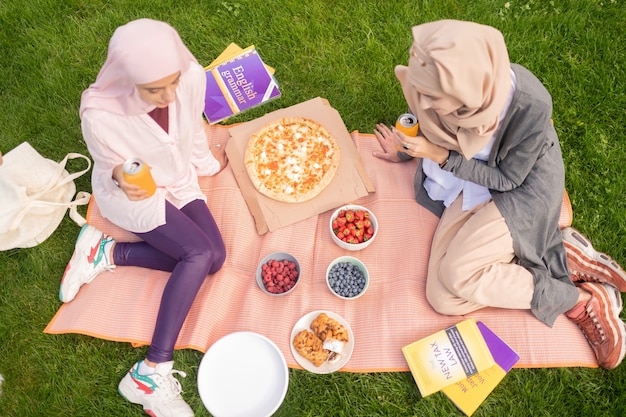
{"points": [[353, 227], [278, 273]]}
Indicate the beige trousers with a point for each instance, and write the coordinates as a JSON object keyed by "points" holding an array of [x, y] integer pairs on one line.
{"points": [[471, 263]]}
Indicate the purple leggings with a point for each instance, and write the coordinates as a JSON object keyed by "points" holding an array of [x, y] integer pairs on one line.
{"points": [[190, 246]]}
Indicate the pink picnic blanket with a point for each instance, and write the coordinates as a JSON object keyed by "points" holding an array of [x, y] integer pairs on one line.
{"points": [[122, 305]]}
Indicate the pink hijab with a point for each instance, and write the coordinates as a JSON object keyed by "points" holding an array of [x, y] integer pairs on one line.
{"points": [[467, 62], [140, 52]]}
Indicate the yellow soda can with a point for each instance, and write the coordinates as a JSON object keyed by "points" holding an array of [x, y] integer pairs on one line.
{"points": [[407, 124], [138, 173]]}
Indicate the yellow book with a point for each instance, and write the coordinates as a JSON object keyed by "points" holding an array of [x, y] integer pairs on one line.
{"points": [[448, 356], [232, 51], [470, 393]]}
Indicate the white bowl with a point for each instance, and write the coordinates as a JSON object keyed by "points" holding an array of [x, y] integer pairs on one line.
{"points": [[353, 246], [356, 262], [243, 374], [279, 256]]}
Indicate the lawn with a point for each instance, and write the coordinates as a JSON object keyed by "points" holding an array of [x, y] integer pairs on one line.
{"points": [[344, 51]]}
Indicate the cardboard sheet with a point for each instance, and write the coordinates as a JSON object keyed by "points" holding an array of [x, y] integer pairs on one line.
{"points": [[350, 182]]}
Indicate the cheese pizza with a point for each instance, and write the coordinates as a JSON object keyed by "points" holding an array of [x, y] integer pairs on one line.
{"points": [[291, 159]]}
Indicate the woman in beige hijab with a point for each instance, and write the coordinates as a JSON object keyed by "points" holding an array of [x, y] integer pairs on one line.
{"points": [[490, 167]]}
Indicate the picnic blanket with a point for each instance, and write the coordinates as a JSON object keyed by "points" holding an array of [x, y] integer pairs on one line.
{"points": [[122, 305]]}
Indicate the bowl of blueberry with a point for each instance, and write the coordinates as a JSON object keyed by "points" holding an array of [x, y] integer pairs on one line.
{"points": [[347, 277]]}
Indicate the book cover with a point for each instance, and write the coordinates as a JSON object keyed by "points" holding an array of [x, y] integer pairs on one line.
{"points": [[448, 356], [237, 81], [470, 393]]}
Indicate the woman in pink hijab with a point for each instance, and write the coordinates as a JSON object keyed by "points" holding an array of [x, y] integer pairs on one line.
{"points": [[147, 103], [490, 167]]}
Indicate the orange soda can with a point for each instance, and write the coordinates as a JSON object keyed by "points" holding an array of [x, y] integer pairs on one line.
{"points": [[138, 173], [407, 124]]}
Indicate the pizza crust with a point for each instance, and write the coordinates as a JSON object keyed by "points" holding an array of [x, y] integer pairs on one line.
{"points": [[292, 159]]}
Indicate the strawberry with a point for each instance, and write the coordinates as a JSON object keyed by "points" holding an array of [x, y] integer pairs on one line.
{"points": [[350, 216], [352, 239]]}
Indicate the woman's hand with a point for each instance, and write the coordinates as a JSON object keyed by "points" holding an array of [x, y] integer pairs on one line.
{"points": [[132, 191], [219, 153], [386, 139], [392, 141]]}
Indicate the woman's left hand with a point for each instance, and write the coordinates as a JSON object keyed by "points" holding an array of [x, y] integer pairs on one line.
{"points": [[387, 143], [393, 140], [219, 153]]}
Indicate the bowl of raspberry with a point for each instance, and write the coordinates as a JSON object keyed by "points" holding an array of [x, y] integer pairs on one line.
{"points": [[278, 273]]}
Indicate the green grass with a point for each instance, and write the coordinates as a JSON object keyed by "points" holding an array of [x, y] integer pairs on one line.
{"points": [[344, 51]]}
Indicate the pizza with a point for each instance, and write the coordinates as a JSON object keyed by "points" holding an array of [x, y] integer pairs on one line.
{"points": [[291, 159]]}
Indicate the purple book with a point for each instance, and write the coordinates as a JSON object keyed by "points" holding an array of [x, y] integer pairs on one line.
{"points": [[238, 84], [502, 353]]}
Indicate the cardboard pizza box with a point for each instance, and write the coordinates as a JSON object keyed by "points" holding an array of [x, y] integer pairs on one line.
{"points": [[350, 182]]}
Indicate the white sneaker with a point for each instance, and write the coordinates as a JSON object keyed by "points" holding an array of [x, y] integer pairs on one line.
{"points": [[159, 393], [86, 263]]}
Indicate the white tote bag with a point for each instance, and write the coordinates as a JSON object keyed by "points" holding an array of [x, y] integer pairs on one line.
{"points": [[35, 193]]}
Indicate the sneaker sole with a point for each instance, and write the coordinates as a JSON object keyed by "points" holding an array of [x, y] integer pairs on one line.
{"points": [[583, 258], [616, 305], [67, 292], [132, 398]]}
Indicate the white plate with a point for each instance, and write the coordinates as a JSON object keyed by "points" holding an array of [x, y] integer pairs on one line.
{"points": [[243, 374], [326, 367]]}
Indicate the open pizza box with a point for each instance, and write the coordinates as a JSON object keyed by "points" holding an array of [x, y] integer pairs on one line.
{"points": [[350, 182]]}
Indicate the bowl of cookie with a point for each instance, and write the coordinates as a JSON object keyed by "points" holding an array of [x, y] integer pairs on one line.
{"points": [[347, 277], [278, 273], [353, 227]]}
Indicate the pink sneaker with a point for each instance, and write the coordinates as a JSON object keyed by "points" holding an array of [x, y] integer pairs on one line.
{"points": [[585, 264], [600, 322], [159, 394]]}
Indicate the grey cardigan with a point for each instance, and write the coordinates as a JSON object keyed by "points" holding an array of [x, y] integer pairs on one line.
{"points": [[525, 175]]}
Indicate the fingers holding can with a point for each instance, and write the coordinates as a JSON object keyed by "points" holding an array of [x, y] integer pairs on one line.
{"points": [[407, 124]]}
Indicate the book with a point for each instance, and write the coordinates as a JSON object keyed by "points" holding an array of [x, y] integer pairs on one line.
{"points": [[237, 80], [448, 356], [470, 393]]}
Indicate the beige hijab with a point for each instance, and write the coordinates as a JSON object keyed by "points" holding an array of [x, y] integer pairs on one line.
{"points": [[466, 62]]}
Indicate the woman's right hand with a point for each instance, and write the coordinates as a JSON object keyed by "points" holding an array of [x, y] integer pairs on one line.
{"points": [[219, 153], [132, 191]]}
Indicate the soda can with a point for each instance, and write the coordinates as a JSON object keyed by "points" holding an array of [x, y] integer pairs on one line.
{"points": [[138, 173], [407, 124]]}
